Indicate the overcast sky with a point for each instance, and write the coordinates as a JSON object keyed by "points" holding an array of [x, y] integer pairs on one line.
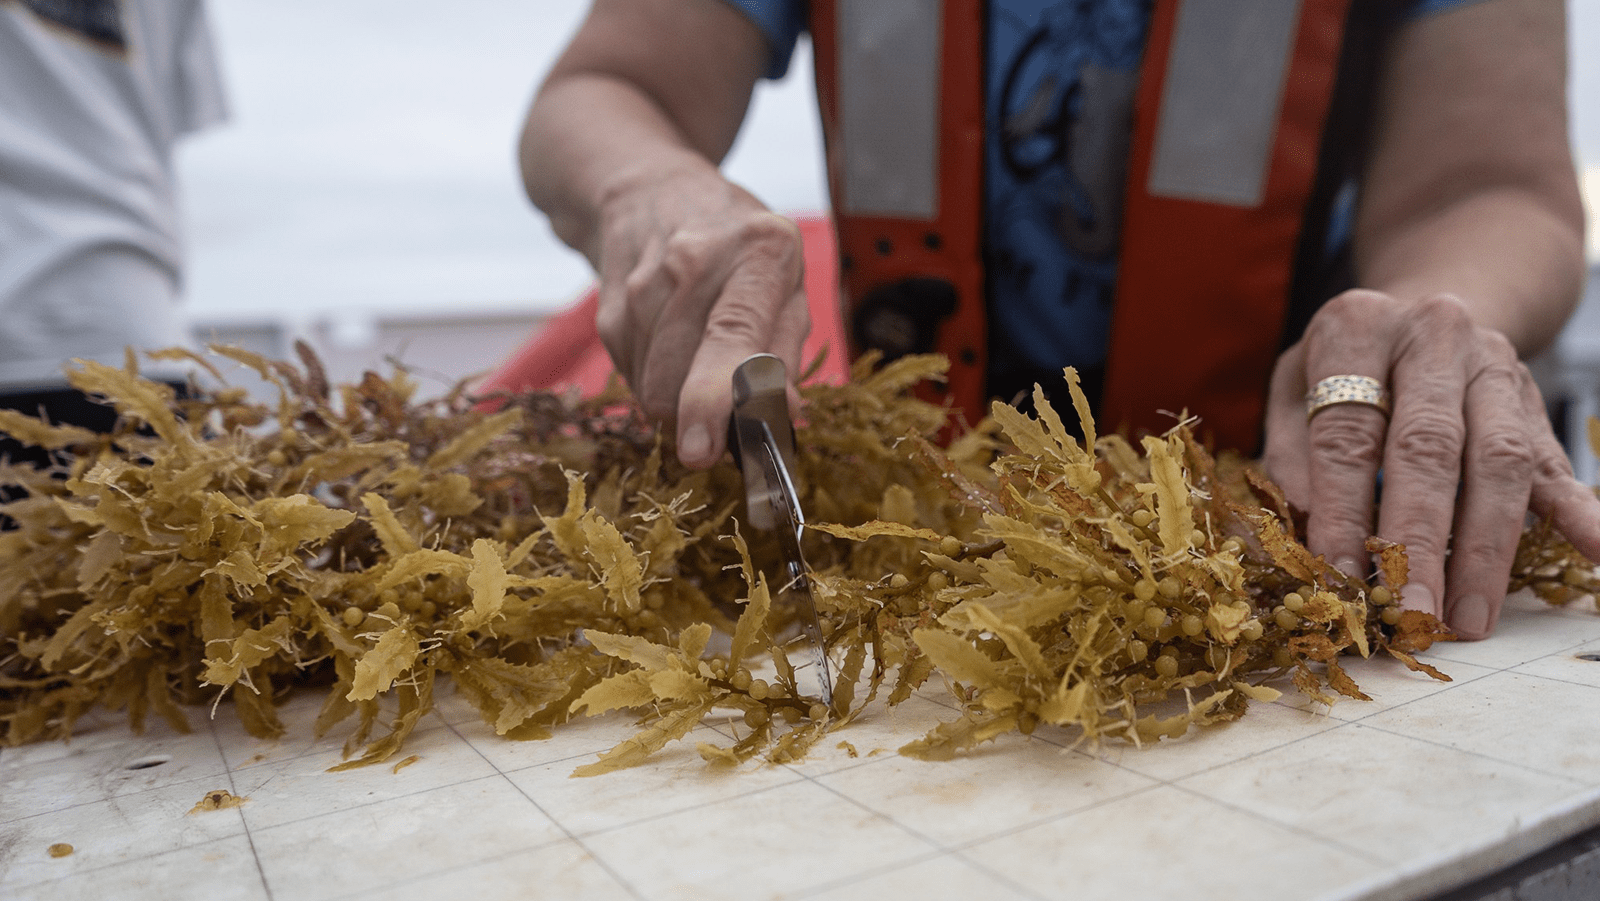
{"points": [[368, 164]]}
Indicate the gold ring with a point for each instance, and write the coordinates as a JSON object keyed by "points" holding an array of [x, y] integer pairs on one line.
{"points": [[1347, 389]]}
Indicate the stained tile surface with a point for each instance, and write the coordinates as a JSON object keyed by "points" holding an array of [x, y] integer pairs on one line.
{"points": [[1424, 787]]}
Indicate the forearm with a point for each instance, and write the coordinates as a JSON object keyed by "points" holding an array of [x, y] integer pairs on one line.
{"points": [[1512, 255], [1470, 188], [589, 138], [647, 92]]}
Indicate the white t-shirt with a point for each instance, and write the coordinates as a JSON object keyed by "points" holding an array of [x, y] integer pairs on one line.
{"points": [[93, 96]]}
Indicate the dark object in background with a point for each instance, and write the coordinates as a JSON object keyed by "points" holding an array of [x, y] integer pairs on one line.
{"points": [[59, 406]]}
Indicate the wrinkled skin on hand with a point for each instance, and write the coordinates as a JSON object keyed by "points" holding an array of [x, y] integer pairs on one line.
{"points": [[695, 276], [1467, 453]]}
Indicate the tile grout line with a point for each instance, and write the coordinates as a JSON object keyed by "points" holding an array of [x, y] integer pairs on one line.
{"points": [[1303, 832], [383, 890], [683, 810], [626, 885], [244, 821], [111, 797], [1520, 672], [937, 854], [123, 863], [380, 801], [937, 849], [1453, 686], [799, 777], [135, 738], [317, 746], [1482, 756], [342, 810], [1340, 724], [940, 848], [1328, 840], [1504, 669], [497, 774], [963, 846], [1337, 724], [1298, 830], [959, 850], [602, 830]]}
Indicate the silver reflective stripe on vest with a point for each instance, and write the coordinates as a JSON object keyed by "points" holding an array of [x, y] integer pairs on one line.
{"points": [[1221, 98], [889, 54]]}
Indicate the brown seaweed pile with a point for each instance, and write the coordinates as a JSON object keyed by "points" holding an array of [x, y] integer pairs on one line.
{"points": [[551, 559]]}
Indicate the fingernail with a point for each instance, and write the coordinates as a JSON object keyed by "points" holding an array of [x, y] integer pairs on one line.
{"points": [[1350, 566], [1416, 597], [695, 445], [1471, 616]]}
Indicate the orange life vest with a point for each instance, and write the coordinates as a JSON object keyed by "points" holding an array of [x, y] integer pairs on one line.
{"points": [[1229, 118]]}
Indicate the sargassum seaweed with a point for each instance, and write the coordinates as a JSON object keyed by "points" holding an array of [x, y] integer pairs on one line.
{"points": [[549, 557]]}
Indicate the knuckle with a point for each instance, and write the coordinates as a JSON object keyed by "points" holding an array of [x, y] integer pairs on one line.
{"points": [[1349, 310], [1498, 349], [1339, 528], [1483, 550], [1438, 320], [637, 282], [1358, 316], [1428, 553], [773, 248], [1345, 437], [1443, 310], [1429, 437], [1359, 303], [1504, 451], [769, 227], [736, 321], [1317, 333], [1504, 376], [1427, 548], [685, 259], [1552, 467]]}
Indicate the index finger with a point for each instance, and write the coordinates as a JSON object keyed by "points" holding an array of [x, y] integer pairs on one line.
{"points": [[707, 398], [762, 307]]}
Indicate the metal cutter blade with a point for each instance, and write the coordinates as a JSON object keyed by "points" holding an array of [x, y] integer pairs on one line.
{"points": [[764, 437]]}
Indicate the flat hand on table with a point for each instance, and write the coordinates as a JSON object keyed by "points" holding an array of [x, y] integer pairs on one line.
{"points": [[695, 276], [1466, 453]]}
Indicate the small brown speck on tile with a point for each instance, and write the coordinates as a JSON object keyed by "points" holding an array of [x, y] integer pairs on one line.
{"points": [[221, 799]]}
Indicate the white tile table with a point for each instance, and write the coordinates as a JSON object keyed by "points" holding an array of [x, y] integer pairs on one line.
{"points": [[1427, 787]]}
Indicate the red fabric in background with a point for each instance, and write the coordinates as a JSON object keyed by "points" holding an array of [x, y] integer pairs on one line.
{"points": [[566, 352]]}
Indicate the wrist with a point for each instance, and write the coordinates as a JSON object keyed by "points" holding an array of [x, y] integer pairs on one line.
{"points": [[666, 171]]}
